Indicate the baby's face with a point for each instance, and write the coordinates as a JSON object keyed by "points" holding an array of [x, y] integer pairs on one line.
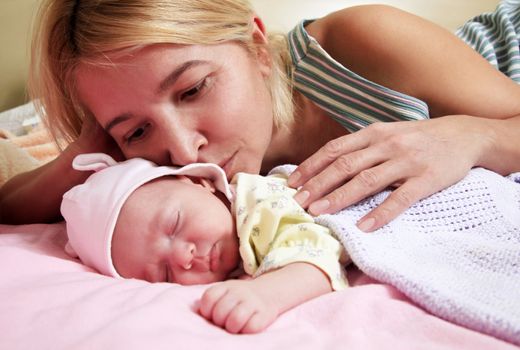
{"points": [[175, 230]]}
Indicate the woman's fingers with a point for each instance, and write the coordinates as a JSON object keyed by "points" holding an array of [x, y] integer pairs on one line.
{"points": [[367, 182], [396, 203], [326, 155], [374, 180], [339, 171], [419, 158]]}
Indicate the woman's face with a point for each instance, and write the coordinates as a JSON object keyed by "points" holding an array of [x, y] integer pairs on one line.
{"points": [[177, 105]]}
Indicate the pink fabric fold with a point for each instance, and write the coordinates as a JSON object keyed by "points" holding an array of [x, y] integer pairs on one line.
{"points": [[49, 300]]}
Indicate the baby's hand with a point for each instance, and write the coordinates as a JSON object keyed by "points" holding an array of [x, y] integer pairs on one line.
{"points": [[238, 306]]}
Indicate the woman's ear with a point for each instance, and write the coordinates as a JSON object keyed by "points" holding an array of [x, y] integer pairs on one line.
{"points": [[259, 24], [261, 46]]}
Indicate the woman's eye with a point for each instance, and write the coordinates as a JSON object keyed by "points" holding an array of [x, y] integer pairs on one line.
{"points": [[194, 91], [137, 134]]}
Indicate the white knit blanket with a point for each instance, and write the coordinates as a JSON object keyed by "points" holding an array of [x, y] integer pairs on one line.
{"points": [[455, 253]]}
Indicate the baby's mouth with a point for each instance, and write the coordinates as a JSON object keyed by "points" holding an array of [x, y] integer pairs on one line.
{"points": [[214, 257], [201, 263]]}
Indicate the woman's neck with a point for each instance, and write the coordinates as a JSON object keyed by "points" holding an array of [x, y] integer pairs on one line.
{"points": [[311, 129]]}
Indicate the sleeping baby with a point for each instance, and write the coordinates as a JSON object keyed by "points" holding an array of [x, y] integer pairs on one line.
{"points": [[187, 225]]}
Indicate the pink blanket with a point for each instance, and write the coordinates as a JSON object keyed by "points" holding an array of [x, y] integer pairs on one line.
{"points": [[50, 301]]}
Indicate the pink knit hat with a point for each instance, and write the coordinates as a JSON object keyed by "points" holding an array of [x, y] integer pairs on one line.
{"points": [[91, 209]]}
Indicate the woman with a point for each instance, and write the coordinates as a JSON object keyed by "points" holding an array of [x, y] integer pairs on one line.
{"points": [[179, 81]]}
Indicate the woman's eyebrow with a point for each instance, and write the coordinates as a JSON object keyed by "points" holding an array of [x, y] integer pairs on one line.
{"points": [[119, 119], [176, 73], [164, 85]]}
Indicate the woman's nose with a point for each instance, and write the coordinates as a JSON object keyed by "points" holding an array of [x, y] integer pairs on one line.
{"points": [[183, 144]]}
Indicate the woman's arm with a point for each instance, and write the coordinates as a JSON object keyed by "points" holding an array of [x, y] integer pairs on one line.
{"points": [[476, 111], [414, 56], [35, 196], [503, 154], [249, 306]]}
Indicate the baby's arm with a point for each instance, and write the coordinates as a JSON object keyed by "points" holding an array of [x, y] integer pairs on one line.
{"points": [[249, 306]]}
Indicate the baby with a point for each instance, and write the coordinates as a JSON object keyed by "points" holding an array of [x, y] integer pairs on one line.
{"points": [[187, 225]]}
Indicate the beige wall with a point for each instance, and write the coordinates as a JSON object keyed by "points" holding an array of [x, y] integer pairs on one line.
{"points": [[16, 15], [448, 13], [15, 19]]}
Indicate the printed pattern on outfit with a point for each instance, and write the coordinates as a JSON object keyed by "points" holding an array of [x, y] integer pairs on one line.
{"points": [[275, 231]]}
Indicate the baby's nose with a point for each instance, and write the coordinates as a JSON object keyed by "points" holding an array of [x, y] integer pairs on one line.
{"points": [[184, 254]]}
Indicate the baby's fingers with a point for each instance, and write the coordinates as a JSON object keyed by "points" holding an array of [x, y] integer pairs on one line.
{"points": [[258, 322], [209, 299], [239, 317]]}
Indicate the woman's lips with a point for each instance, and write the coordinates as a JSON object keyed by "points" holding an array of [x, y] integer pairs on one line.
{"points": [[228, 164]]}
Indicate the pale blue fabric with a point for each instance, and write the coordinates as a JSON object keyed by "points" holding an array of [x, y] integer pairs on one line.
{"points": [[455, 253]]}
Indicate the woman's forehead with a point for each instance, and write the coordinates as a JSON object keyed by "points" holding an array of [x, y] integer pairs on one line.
{"points": [[159, 52]]}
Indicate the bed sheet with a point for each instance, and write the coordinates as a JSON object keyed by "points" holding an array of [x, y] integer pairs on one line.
{"points": [[49, 300]]}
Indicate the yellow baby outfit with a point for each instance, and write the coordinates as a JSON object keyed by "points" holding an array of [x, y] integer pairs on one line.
{"points": [[274, 230]]}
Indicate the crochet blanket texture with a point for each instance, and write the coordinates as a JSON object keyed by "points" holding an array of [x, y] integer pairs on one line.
{"points": [[455, 253]]}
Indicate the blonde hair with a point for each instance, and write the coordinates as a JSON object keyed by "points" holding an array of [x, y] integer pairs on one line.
{"points": [[68, 32]]}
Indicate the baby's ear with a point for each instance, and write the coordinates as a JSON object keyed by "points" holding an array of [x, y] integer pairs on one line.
{"points": [[70, 251], [93, 162], [208, 185]]}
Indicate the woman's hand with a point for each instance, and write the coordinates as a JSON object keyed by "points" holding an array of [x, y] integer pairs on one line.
{"points": [[418, 158], [94, 139], [238, 306], [35, 196]]}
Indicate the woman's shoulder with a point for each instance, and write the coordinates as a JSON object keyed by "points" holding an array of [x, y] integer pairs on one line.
{"points": [[365, 25], [359, 13], [375, 41]]}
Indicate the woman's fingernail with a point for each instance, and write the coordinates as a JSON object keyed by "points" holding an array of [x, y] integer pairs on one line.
{"points": [[301, 197], [367, 224], [319, 207], [293, 179]]}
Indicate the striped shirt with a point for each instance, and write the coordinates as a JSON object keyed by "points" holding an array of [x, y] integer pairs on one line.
{"points": [[356, 102], [495, 36], [350, 99]]}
